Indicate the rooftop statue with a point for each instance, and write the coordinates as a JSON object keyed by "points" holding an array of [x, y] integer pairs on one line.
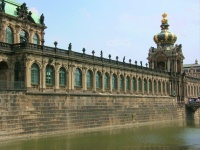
{"points": [[42, 19], [3, 5], [70, 46]]}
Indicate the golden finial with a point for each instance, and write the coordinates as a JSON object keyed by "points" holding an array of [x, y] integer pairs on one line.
{"points": [[164, 20]]}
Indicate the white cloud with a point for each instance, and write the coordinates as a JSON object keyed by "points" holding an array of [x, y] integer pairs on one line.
{"points": [[34, 10]]}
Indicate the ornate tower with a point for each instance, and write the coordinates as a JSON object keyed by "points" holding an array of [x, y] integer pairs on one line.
{"points": [[166, 56]]}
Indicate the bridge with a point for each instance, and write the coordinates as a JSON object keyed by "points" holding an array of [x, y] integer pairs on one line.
{"points": [[192, 106]]}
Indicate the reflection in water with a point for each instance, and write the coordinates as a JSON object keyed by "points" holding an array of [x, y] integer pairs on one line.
{"points": [[177, 136]]}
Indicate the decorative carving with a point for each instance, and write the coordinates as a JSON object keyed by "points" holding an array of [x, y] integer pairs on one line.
{"points": [[23, 13]]}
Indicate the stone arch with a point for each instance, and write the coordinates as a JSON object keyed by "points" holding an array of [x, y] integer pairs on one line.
{"points": [[4, 75]]}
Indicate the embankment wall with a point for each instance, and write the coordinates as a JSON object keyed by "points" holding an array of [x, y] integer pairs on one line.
{"points": [[24, 113]]}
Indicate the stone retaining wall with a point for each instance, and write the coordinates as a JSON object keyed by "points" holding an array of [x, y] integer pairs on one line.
{"points": [[31, 113]]}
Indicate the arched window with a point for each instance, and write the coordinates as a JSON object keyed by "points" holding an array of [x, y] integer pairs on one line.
{"points": [[23, 36], [121, 81], [78, 78], [139, 85], [189, 90], [134, 84], [106, 81], [155, 86], [9, 35], [114, 82], [89, 79], [98, 80], [127, 83], [17, 75], [163, 84], [145, 85], [49, 75], [35, 39], [159, 86], [168, 88], [62, 77], [150, 86], [35, 74]]}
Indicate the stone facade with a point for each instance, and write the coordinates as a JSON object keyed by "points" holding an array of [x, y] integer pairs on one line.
{"points": [[29, 113], [47, 89]]}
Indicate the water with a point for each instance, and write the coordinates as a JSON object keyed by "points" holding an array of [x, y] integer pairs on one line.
{"points": [[167, 136]]}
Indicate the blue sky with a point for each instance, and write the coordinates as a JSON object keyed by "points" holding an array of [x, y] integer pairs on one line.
{"points": [[119, 27]]}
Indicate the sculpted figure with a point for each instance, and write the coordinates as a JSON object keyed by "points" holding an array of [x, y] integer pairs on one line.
{"points": [[70, 46], [42, 19]]}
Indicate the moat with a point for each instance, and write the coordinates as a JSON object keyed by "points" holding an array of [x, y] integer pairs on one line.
{"points": [[171, 135]]}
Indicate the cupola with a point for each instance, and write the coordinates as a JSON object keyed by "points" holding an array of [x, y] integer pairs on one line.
{"points": [[165, 37]]}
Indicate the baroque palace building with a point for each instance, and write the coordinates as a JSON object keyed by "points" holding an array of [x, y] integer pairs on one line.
{"points": [[27, 64]]}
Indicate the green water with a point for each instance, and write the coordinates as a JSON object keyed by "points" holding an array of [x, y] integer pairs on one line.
{"points": [[172, 136]]}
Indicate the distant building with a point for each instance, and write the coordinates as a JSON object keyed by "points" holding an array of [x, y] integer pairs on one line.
{"points": [[27, 64], [192, 70]]}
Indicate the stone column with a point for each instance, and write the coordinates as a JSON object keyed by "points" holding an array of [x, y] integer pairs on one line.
{"points": [[168, 65], [125, 76], [84, 71], [94, 80], [136, 78], [142, 86], [118, 82], [131, 84], [111, 73], [31, 34], [147, 86], [43, 79], [57, 66], [72, 70], [152, 64], [28, 74], [102, 83], [17, 34], [3, 31]]}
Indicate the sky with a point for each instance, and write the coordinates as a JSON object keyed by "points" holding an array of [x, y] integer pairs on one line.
{"points": [[119, 27]]}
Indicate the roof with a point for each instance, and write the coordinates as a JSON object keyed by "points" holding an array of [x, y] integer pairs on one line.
{"points": [[10, 9], [191, 65]]}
